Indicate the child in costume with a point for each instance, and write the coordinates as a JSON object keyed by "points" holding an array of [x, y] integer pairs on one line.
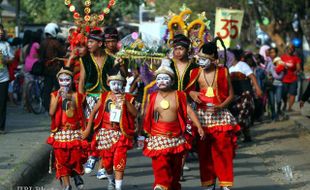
{"points": [[114, 128], [217, 150], [67, 123], [165, 123]]}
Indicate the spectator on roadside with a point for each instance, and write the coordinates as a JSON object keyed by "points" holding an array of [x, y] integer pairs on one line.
{"points": [[14, 67], [243, 79], [50, 49], [274, 80], [305, 96], [31, 56], [26, 41], [291, 67], [257, 64], [5, 56]]}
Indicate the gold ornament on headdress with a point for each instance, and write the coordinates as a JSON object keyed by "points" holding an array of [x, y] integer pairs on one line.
{"points": [[62, 71], [89, 18], [177, 24], [116, 77]]}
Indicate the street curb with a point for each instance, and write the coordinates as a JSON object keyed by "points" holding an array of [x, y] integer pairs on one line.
{"points": [[30, 170]]}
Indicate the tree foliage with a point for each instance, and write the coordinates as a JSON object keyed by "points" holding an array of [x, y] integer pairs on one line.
{"points": [[44, 11], [281, 14]]}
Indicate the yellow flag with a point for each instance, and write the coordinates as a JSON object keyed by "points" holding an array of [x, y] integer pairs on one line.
{"points": [[228, 25]]}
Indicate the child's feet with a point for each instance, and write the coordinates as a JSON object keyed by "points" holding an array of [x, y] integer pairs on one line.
{"points": [[78, 181], [210, 187], [157, 187], [186, 168], [225, 188], [69, 187], [101, 174], [111, 185], [90, 164]]}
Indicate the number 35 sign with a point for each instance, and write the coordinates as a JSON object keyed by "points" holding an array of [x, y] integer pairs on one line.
{"points": [[228, 25]]}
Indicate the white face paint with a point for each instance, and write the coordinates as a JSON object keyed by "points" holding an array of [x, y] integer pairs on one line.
{"points": [[116, 86], [163, 81], [204, 63], [64, 80]]}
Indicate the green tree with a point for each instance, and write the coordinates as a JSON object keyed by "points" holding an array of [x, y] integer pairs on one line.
{"points": [[44, 11], [280, 15]]}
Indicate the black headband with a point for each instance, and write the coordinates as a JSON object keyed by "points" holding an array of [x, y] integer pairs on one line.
{"points": [[109, 36], [183, 43], [95, 37]]}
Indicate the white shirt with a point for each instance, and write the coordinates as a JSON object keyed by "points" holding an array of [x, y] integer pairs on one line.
{"points": [[241, 67], [6, 54]]}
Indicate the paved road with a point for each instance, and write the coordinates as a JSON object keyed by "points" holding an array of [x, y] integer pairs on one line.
{"points": [[250, 175], [26, 133]]}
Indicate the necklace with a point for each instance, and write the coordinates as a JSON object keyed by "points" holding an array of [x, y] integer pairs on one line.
{"points": [[69, 109], [210, 92], [164, 103]]}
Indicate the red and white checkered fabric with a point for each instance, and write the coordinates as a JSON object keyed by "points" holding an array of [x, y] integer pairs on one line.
{"points": [[211, 119], [163, 142], [67, 135], [106, 138]]}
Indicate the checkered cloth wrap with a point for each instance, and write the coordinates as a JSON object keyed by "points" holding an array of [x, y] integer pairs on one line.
{"points": [[243, 109], [67, 135], [163, 142], [106, 138], [220, 118]]}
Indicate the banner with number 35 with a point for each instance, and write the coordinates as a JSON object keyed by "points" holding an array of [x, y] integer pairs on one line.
{"points": [[228, 25]]}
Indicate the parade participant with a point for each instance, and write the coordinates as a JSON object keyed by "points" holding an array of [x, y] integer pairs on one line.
{"points": [[186, 70], [67, 123], [78, 46], [114, 128], [217, 150], [95, 64], [111, 39], [165, 123], [292, 66], [243, 105], [93, 74]]}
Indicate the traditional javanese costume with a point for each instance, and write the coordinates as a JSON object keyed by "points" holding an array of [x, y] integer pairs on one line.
{"points": [[166, 143], [95, 79], [69, 148], [113, 139], [186, 82], [243, 105], [217, 151]]}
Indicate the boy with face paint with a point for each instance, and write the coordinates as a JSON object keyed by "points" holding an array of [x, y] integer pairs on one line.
{"points": [[217, 150], [114, 128], [66, 139], [165, 123]]}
